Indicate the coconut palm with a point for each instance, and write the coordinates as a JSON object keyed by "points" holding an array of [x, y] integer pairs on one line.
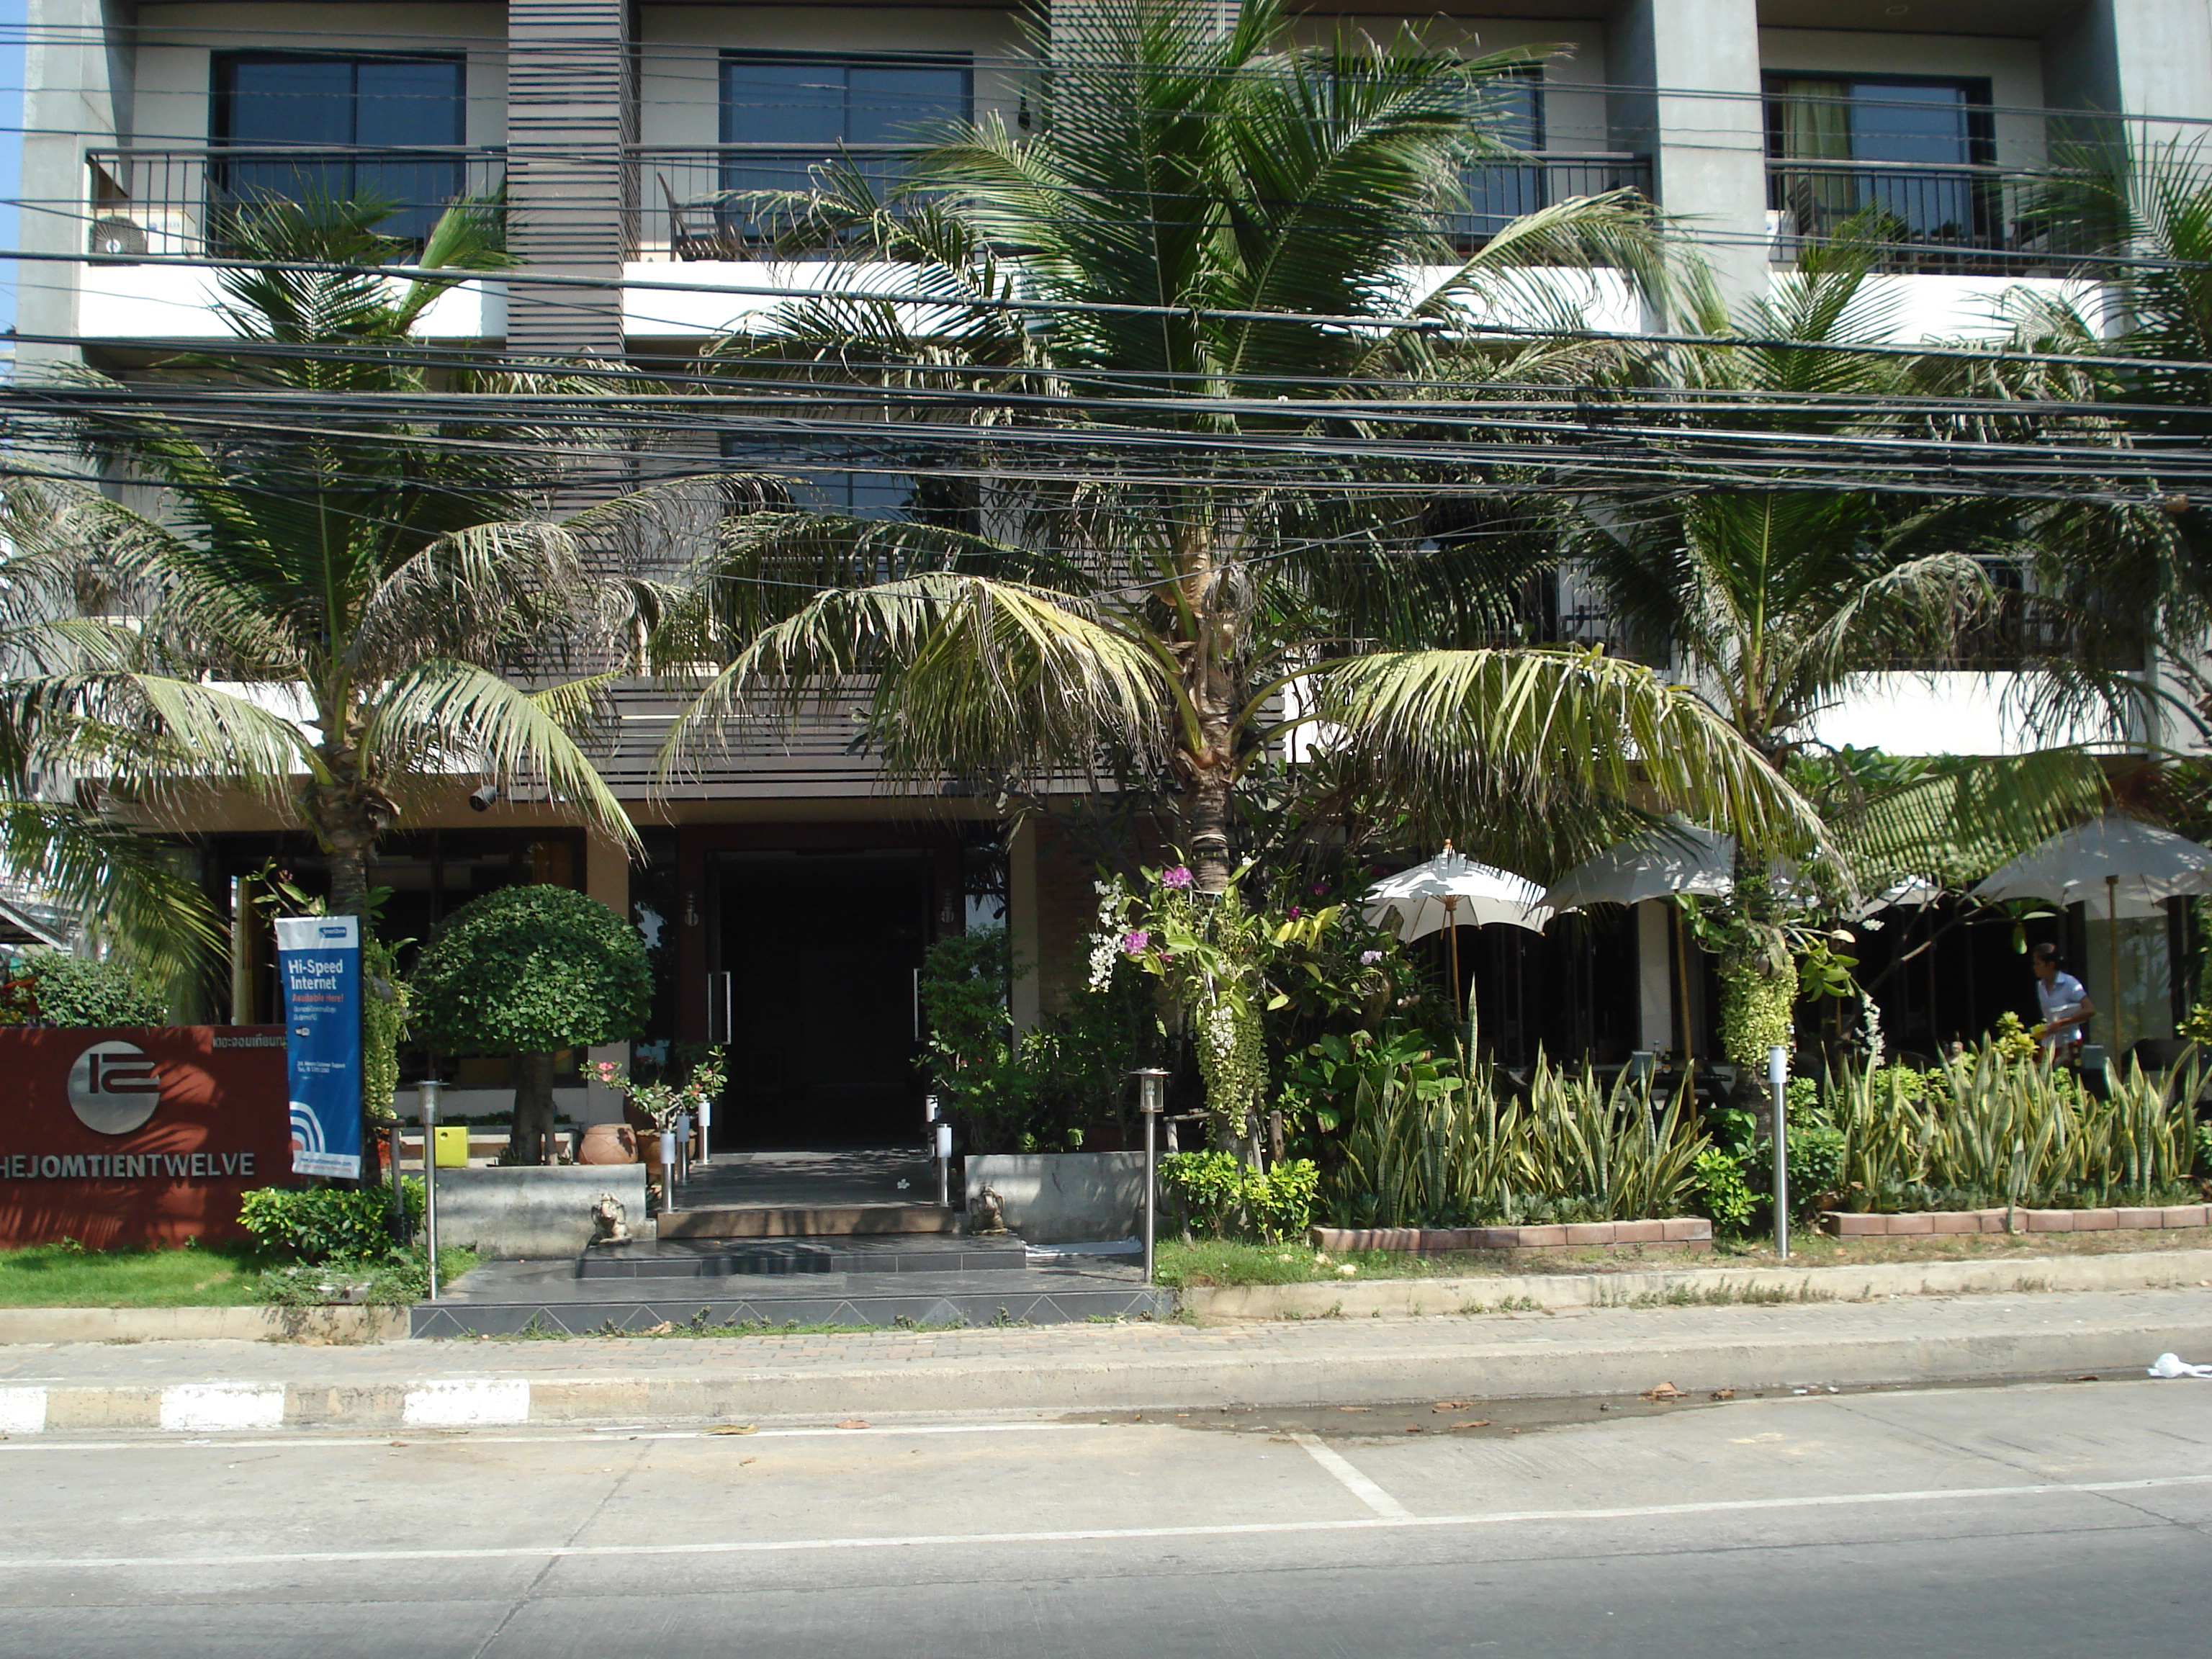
{"points": [[1184, 212], [121, 886], [1776, 600], [2133, 563], [330, 607]]}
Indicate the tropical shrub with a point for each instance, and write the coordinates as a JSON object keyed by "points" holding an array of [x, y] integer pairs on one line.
{"points": [[1224, 1197], [1723, 1196], [1992, 1127], [1451, 1150], [50, 988], [327, 1223]]}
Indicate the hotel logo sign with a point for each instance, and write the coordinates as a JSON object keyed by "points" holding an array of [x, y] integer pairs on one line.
{"points": [[114, 1087]]}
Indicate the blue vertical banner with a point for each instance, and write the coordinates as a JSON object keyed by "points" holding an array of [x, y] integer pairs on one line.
{"points": [[319, 960]]}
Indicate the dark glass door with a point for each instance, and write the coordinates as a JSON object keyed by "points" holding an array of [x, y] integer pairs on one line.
{"points": [[822, 950]]}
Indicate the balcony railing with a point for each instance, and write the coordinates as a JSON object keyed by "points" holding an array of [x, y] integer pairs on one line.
{"points": [[703, 203], [159, 201], [1966, 221], [1499, 192], [699, 203]]}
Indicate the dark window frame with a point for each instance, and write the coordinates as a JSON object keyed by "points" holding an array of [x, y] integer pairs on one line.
{"points": [[426, 174]]}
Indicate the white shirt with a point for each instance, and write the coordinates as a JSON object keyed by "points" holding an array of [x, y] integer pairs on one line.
{"points": [[2061, 990]]}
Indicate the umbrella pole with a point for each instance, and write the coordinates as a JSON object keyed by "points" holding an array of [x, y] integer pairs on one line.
{"points": [[2112, 955], [1451, 951], [1682, 986]]}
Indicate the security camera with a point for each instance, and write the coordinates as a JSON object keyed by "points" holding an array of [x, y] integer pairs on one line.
{"points": [[481, 797]]}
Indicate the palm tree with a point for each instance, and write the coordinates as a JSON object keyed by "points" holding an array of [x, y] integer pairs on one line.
{"points": [[331, 608], [1776, 600], [1158, 259]]}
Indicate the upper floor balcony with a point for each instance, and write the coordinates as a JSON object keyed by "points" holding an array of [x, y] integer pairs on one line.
{"points": [[188, 203], [704, 201]]}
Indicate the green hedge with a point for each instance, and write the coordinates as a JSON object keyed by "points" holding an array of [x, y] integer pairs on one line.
{"points": [[327, 1223]]}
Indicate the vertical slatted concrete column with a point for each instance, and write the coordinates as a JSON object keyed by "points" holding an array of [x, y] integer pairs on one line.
{"points": [[1687, 72], [572, 114]]}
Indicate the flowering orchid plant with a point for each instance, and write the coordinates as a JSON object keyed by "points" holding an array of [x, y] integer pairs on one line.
{"points": [[664, 1103]]}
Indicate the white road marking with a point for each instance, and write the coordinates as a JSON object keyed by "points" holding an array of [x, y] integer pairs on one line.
{"points": [[196, 1407], [555, 1437], [467, 1403], [23, 1411], [1091, 1534], [1354, 1482]]}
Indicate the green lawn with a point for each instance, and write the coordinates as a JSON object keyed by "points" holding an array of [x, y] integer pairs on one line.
{"points": [[65, 1276]]}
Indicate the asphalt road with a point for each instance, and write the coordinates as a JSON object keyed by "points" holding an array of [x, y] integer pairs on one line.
{"points": [[2030, 1522]]}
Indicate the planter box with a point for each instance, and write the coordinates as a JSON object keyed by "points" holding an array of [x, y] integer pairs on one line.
{"points": [[1849, 1223], [528, 1213], [1065, 1198], [1692, 1232]]}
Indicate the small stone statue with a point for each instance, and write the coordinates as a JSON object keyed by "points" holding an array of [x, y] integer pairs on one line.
{"points": [[987, 1211], [609, 1220]]}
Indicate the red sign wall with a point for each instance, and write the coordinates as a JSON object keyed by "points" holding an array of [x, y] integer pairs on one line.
{"points": [[138, 1135]]}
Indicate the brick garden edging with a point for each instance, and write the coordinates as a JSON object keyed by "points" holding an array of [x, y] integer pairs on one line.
{"points": [[1694, 1232], [1846, 1224]]}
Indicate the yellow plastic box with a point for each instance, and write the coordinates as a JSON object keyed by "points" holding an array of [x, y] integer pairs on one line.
{"points": [[453, 1145]]}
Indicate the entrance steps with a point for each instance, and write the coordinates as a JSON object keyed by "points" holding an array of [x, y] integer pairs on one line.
{"points": [[806, 1220], [783, 1257], [750, 1286]]}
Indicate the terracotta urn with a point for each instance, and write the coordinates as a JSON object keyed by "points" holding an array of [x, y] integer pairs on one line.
{"points": [[608, 1143]]}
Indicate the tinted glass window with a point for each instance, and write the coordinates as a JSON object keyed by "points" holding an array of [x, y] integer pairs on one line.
{"points": [[806, 102], [279, 99], [350, 105]]}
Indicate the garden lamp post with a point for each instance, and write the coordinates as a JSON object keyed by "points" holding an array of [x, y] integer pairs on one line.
{"points": [[1777, 1079], [1151, 1091], [426, 1094]]}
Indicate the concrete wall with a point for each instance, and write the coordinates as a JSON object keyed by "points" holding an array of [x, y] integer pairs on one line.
{"points": [[532, 1213], [1054, 1198]]}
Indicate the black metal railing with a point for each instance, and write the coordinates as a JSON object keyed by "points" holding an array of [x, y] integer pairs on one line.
{"points": [[705, 203], [183, 200], [1498, 192], [1938, 220]]}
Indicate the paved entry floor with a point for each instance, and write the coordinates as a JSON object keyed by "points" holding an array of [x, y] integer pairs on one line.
{"points": [[799, 1180]]}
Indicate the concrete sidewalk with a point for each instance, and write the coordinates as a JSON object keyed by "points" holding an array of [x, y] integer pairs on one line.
{"points": [[198, 1388]]}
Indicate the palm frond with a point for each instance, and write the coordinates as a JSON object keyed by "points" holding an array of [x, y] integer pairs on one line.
{"points": [[1433, 725], [126, 888], [960, 675]]}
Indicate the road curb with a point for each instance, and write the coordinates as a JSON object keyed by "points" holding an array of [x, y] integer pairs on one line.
{"points": [[251, 1323], [1614, 1353], [1400, 1298]]}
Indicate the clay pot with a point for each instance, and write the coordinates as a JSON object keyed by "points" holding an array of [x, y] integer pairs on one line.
{"points": [[608, 1143], [648, 1153]]}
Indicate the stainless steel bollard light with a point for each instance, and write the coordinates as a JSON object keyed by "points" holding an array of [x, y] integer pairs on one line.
{"points": [[1151, 1097], [668, 1168], [1777, 1079], [427, 1094]]}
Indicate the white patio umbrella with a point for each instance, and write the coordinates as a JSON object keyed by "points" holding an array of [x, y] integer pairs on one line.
{"points": [[1451, 891], [1658, 864], [2129, 864]]}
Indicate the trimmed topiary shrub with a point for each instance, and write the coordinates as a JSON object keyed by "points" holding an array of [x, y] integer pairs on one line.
{"points": [[526, 971]]}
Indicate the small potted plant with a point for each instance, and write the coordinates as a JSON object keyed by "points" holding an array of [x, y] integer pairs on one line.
{"points": [[664, 1103]]}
